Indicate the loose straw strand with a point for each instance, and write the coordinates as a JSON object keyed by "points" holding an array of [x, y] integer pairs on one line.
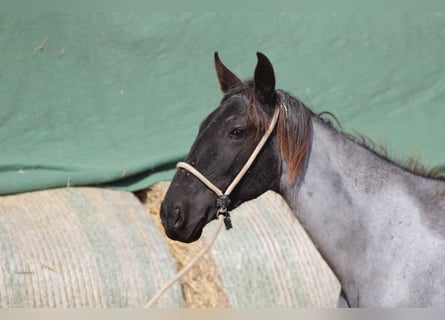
{"points": [[179, 275]]}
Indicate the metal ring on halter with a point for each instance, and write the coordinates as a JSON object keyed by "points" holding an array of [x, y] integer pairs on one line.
{"points": [[222, 204]]}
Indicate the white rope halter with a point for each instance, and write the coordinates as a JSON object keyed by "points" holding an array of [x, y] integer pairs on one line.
{"points": [[222, 204], [223, 200]]}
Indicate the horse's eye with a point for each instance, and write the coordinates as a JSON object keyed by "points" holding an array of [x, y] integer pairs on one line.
{"points": [[238, 133]]}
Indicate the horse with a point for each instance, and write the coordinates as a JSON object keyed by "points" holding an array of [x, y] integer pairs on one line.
{"points": [[378, 224]]}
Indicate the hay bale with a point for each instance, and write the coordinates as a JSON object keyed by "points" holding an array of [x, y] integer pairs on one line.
{"points": [[266, 260], [201, 286], [81, 247]]}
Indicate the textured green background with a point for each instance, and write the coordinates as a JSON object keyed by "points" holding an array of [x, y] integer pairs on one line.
{"points": [[116, 99]]}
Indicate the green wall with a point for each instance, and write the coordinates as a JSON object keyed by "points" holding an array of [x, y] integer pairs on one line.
{"points": [[117, 97]]}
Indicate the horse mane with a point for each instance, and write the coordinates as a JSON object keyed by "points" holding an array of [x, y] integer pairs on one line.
{"points": [[411, 163], [294, 130]]}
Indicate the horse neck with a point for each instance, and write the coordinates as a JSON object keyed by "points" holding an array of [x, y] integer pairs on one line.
{"points": [[352, 201]]}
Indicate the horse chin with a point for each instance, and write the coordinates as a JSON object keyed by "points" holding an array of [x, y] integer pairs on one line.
{"points": [[209, 216], [197, 231], [187, 237], [195, 235]]}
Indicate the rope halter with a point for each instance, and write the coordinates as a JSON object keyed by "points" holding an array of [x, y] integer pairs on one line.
{"points": [[223, 200]]}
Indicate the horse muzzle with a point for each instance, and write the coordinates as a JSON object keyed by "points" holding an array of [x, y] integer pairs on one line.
{"points": [[178, 227]]}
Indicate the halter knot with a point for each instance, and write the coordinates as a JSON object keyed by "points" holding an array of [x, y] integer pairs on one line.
{"points": [[222, 204]]}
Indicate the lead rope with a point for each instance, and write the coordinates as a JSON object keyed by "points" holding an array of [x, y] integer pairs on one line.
{"points": [[222, 205]]}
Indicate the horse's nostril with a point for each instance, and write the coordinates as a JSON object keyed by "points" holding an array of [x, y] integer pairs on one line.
{"points": [[177, 217]]}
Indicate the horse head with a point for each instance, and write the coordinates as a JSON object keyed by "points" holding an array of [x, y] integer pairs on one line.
{"points": [[226, 139]]}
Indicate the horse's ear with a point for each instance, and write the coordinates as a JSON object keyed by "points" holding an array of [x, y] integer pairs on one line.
{"points": [[264, 79], [227, 80]]}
